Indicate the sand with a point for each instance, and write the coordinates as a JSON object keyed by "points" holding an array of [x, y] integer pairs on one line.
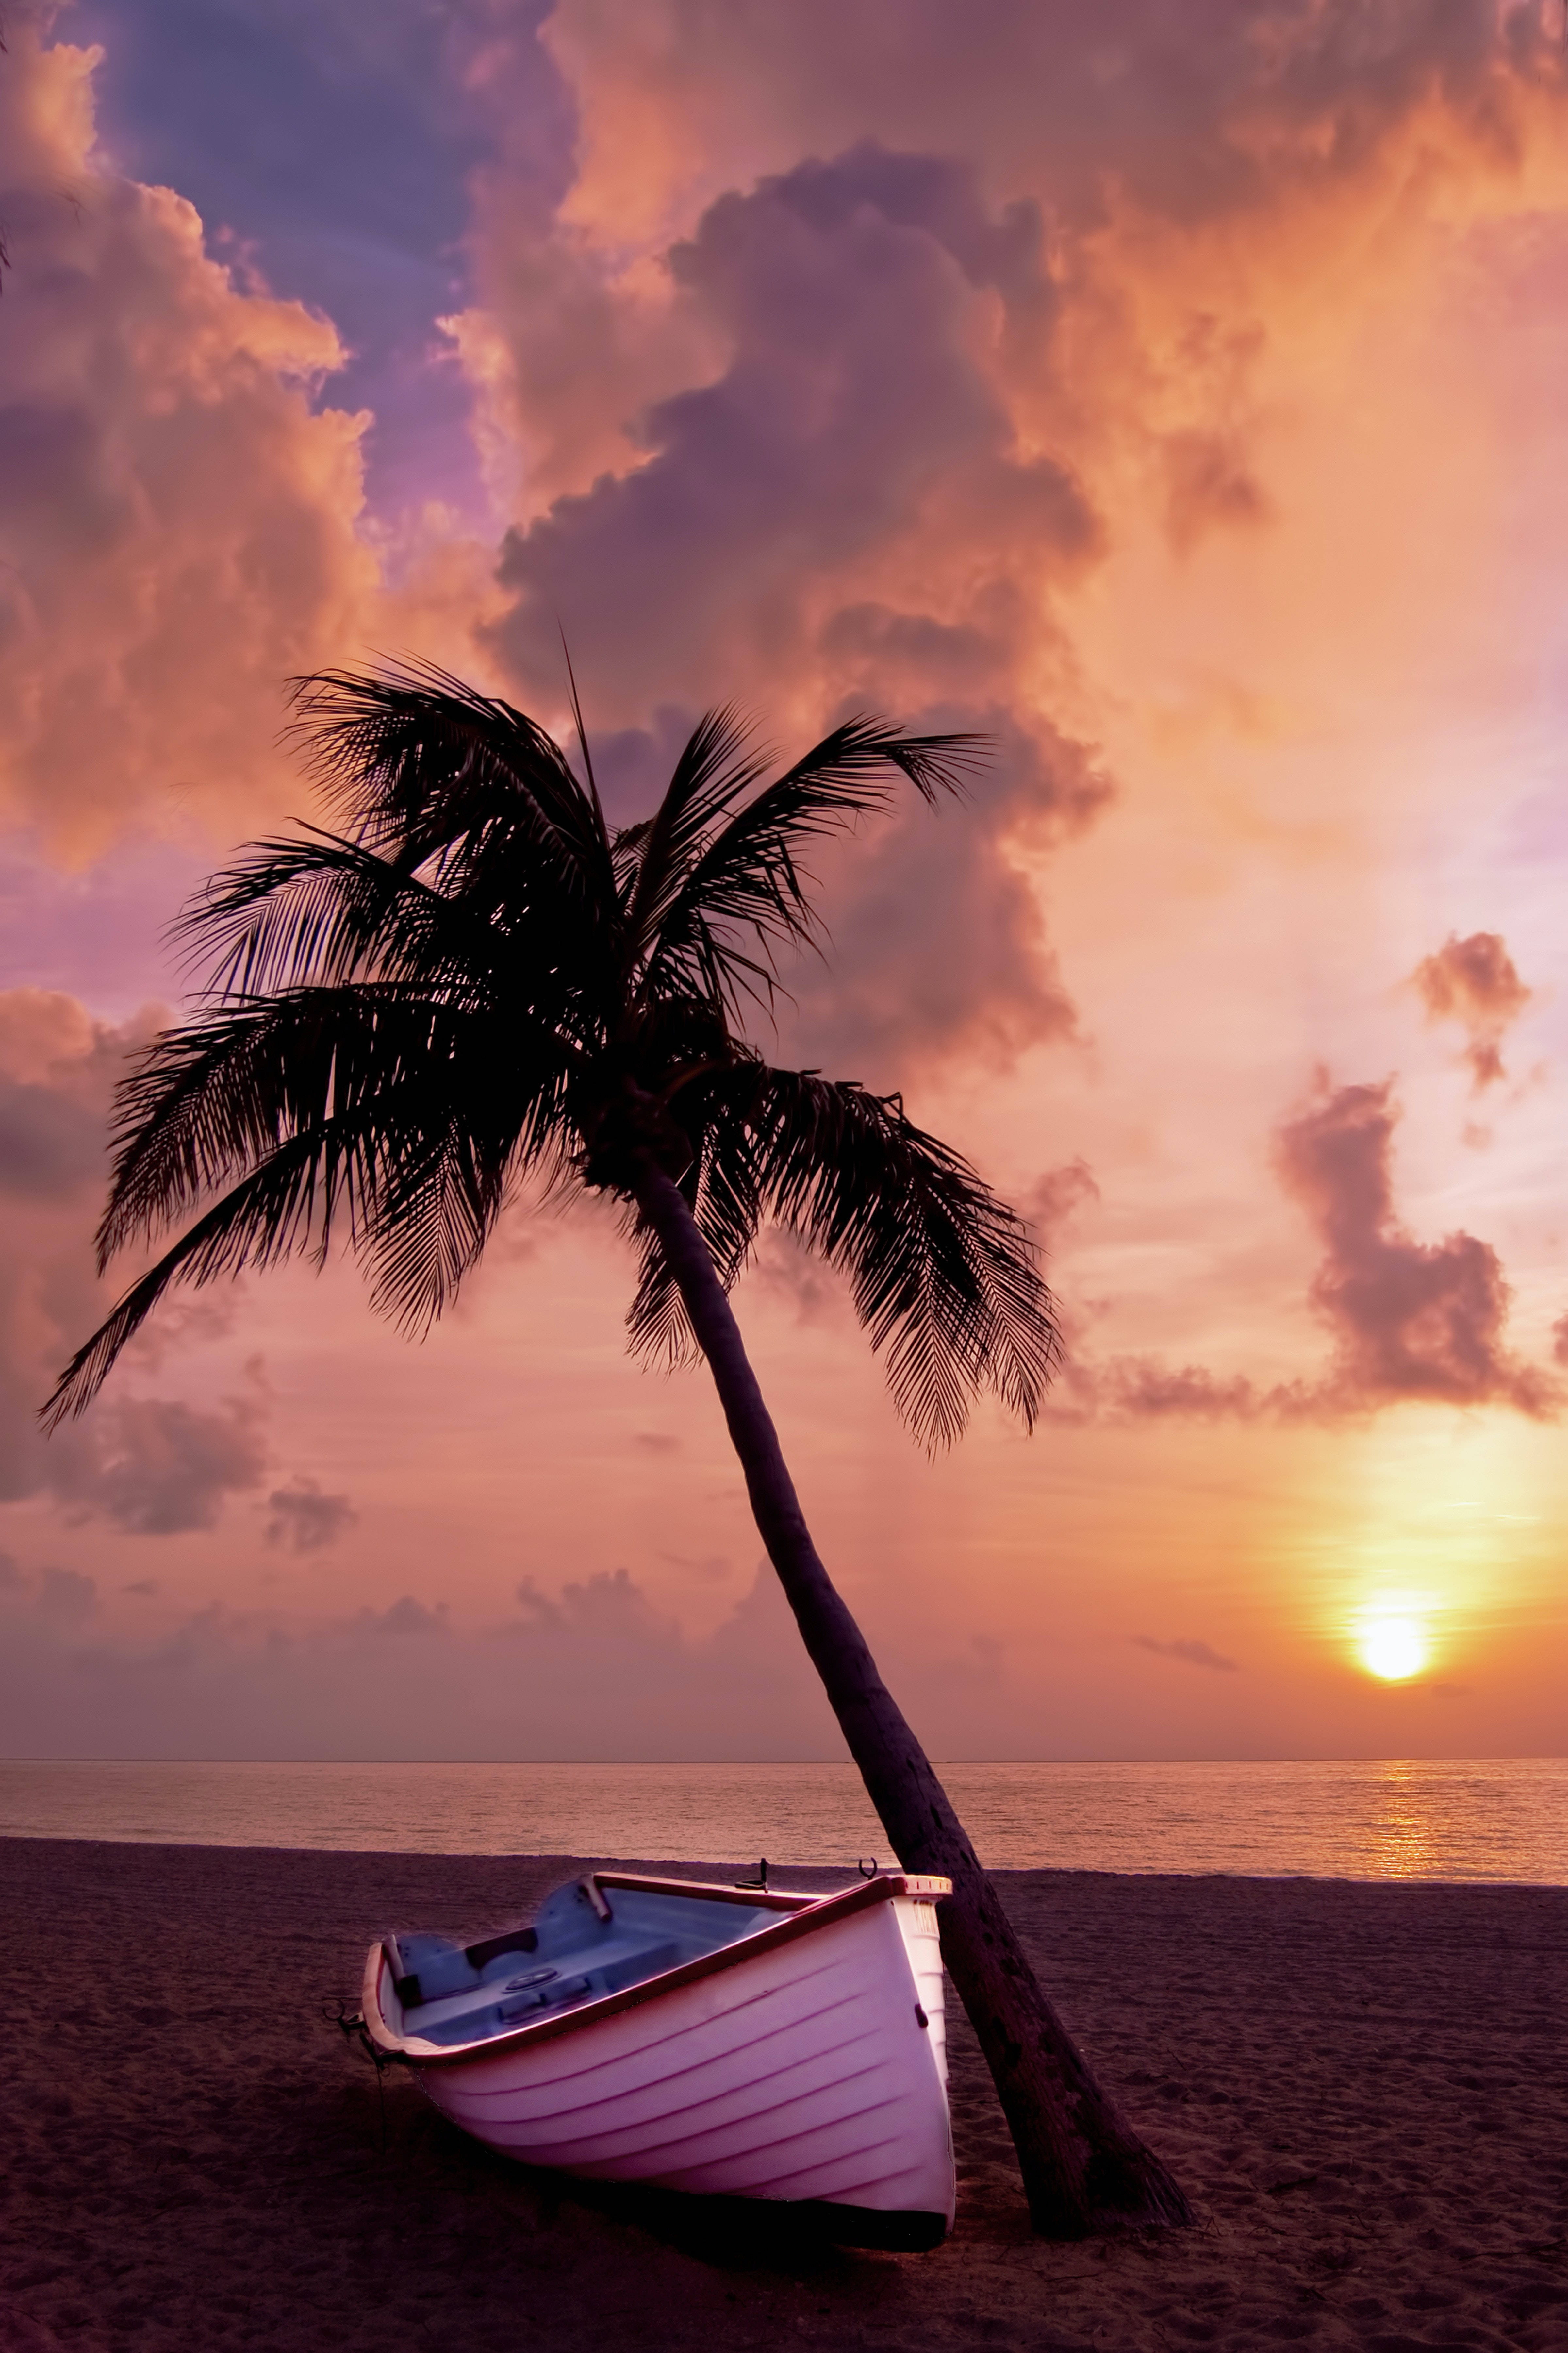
{"points": [[1365, 2089]]}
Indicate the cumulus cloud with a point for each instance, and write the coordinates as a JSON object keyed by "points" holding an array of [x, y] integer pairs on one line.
{"points": [[1473, 981], [849, 436], [177, 517], [1170, 173], [303, 1518], [843, 516], [937, 940], [1212, 114], [1189, 1653], [1410, 1319]]}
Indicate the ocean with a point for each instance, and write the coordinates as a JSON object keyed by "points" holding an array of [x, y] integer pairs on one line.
{"points": [[1486, 1819]]}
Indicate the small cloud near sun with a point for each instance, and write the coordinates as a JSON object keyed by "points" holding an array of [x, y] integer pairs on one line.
{"points": [[1190, 1653]]}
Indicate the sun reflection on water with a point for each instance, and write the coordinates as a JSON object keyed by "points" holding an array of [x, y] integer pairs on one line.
{"points": [[1404, 1837]]}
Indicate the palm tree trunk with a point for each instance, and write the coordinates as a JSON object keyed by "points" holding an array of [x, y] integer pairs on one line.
{"points": [[1084, 2168]]}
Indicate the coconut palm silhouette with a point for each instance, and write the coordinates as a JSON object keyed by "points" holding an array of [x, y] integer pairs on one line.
{"points": [[477, 988]]}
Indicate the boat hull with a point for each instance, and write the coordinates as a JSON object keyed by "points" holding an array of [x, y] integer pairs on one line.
{"points": [[813, 2072]]}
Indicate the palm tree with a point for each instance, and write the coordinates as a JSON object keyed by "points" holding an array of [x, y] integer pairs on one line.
{"points": [[478, 987]]}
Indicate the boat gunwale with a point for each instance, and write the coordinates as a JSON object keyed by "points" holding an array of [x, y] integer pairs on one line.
{"points": [[804, 1916]]}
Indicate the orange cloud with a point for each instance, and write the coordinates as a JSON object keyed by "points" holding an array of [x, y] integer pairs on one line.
{"points": [[177, 521]]}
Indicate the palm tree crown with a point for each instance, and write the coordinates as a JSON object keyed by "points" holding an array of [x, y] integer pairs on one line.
{"points": [[477, 984]]}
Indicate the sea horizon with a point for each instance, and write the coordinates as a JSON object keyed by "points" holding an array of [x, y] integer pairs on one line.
{"points": [[1467, 1819]]}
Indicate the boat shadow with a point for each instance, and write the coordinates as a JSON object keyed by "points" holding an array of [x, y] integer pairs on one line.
{"points": [[727, 2234], [749, 2233]]}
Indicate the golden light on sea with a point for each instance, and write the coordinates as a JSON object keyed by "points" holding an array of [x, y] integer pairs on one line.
{"points": [[1394, 1649]]}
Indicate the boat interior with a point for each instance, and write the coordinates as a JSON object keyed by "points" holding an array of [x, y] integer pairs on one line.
{"points": [[587, 1940]]}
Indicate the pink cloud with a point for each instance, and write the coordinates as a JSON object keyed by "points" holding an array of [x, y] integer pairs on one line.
{"points": [[1410, 1319], [1473, 981], [304, 1519]]}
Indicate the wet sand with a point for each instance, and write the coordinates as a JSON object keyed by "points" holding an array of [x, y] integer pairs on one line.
{"points": [[1364, 2088]]}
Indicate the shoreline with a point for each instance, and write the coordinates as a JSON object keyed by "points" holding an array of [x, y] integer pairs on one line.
{"points": [[1359, 2083], [813, 1872]]}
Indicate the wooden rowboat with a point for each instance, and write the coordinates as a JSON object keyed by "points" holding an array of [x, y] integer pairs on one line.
{"points": [[737, 2042]]}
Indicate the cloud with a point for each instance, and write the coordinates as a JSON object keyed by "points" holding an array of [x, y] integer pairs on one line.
{"points": [[1473, 981], [1134, 1389], [1205, 117], [851, 427], [609, 1606], [177, 517], [937, 944], [303, 1519], [1057, 1195], [156, 1466], [1144, 1389], [149, 1465], [1560, 1341], [406, 1615], [785, 1267], [841, 517], [58, 1069], [1410, 1320], [1190, 1653], [594, 1670], [48, 1144], [1209, 484]]}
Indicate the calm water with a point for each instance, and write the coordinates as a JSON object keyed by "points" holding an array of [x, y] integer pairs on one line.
{"points": [[1502, 1819]]}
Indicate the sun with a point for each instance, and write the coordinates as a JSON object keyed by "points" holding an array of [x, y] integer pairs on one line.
{"points": [[1394, 1649]]}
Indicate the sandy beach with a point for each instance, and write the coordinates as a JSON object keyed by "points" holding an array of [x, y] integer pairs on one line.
{"points": [[1363, 2087]]}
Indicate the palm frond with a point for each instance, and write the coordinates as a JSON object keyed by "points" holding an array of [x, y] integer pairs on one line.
{"points": [[212, 1098], [266, 1218], [943, 1275], [746, 879], [319, 908], [430, 771], [713, 770], [410, 1121]]}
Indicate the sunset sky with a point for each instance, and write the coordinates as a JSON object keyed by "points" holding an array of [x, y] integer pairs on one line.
{"points": [[1178, 395]]}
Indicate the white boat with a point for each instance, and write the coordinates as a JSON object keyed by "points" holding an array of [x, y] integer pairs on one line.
{"points": [[730, 2040]]}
